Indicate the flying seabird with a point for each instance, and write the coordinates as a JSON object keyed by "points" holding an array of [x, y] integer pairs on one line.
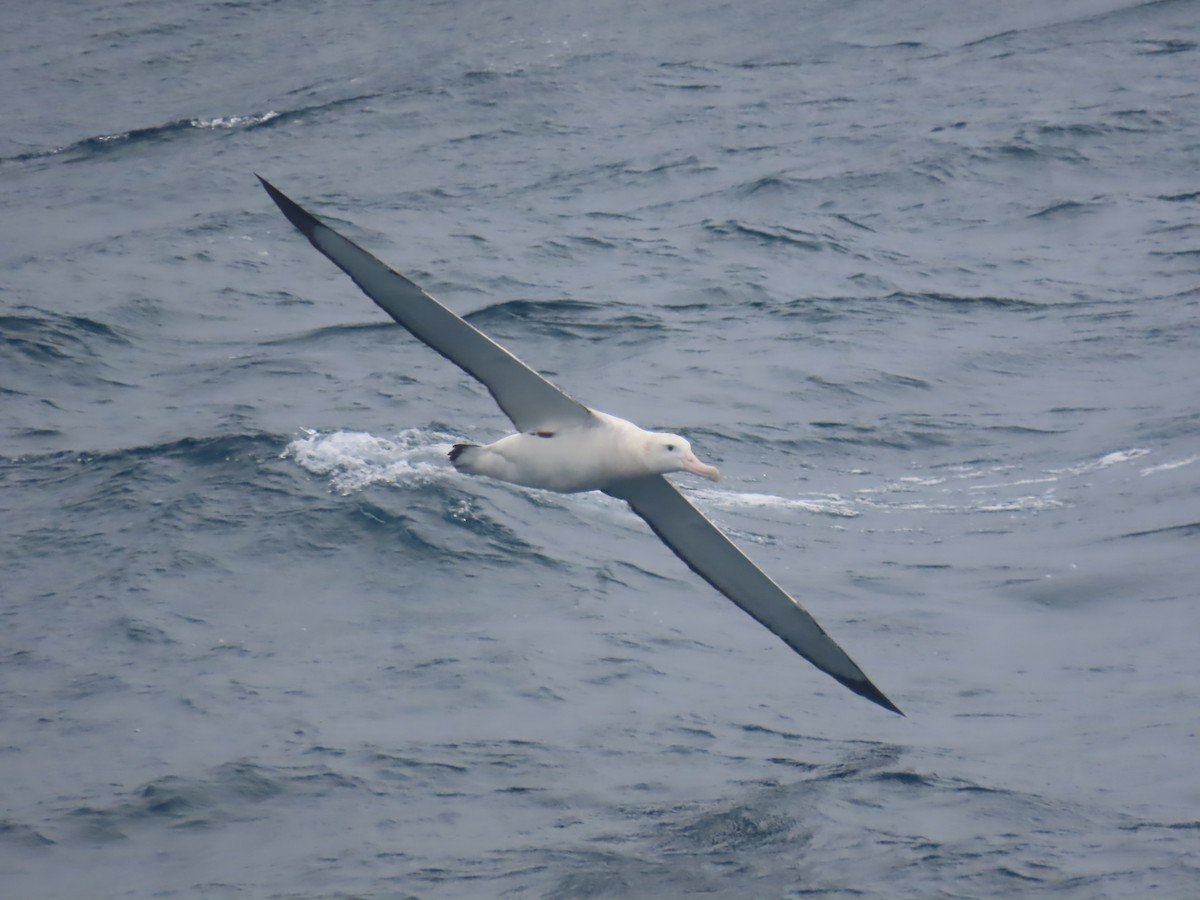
{"points": [[562, 445]]}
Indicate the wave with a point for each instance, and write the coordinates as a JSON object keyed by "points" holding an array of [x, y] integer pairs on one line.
{"points": [[33, 469], [775, 234], [571, 318], [39, 336], [106, 144]]}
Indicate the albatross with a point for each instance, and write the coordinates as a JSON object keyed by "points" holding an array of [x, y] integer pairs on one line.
{"points": [[562, 445]]}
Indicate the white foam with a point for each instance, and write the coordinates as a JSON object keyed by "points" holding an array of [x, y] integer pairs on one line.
{"points": [[1007, 484], [1168, 466], [355, 460], [234, 121], [829, 504], [1109, 459], [1030, 503]]}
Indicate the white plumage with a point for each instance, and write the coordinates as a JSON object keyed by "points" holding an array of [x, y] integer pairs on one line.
{"points": [[561, 445]]}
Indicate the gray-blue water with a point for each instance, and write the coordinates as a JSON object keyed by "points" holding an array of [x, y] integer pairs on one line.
{"points": [[922, 278]]}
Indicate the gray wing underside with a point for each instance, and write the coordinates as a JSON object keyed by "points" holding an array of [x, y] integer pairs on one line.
{"points": [[712, 556], [532, 402]]}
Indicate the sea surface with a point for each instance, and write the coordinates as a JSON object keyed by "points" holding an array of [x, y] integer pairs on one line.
{"points": [[922, 278]]}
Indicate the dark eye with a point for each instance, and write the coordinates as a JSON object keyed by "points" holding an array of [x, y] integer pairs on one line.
{"points": [[671, 447]]}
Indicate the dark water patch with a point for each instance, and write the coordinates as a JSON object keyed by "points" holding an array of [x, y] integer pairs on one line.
{"points": [[607, 575], [998, 37], [1033, 148], [1016, 150], [1175, 254], [1075, 130], [392, 527], [905, 381], [908, 432], [141, 632], [205, 451], [95, 826], [33, 432], [691, 64], [687, 85], [486, 75], [619, 668], [843, 427], [571, 247], [1188, 529], [691, 162], [1067, 209], [1165, 47], [1169, 826], [767, 63], [907, 779], [487, 134], [615, 216], [892, 45], [961, 303], [533, 311], [193, 487], [1173, 427], [94, 684], [16, 834], [596, 874], [769, 184], [791, 763], [395, 767], [1140, 120], [1024, 429], [810, 310], [775, 235], [569, 319], [56, 342], [235, 791], [503, 544], [1186, 197], [849, 221], [335, 335], [741, 828]]}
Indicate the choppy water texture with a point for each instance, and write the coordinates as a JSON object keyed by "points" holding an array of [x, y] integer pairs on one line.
{"points": [[923, 278]]}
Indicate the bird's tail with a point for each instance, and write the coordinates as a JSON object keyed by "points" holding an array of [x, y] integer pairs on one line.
{"points": [[463, 455]]}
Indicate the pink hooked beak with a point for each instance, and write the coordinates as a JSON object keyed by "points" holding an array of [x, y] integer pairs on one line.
{"points": [[692, 463]]}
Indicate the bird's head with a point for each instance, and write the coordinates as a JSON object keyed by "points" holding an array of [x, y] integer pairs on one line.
{"points": [[671, 453]]}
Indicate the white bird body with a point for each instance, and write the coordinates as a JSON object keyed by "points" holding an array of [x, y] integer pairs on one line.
{"points": [[587, 457], [561, 445]]}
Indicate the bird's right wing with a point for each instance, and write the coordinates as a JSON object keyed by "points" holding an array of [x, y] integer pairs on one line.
{"points": [[712, 556], [532, 402]]}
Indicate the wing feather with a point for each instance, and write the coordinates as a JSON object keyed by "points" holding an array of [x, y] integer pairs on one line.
{"points": [[716, 559], [532, 402]]}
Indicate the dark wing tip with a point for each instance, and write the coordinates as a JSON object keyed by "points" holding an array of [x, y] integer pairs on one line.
{"points": [[864, 688], [297, 216]]}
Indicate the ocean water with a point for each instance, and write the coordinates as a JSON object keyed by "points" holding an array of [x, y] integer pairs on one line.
{"points": [[923, 279]]}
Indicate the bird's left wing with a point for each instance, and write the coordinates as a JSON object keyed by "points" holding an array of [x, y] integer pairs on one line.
{"points": [[712, 556], [532, 402]]}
